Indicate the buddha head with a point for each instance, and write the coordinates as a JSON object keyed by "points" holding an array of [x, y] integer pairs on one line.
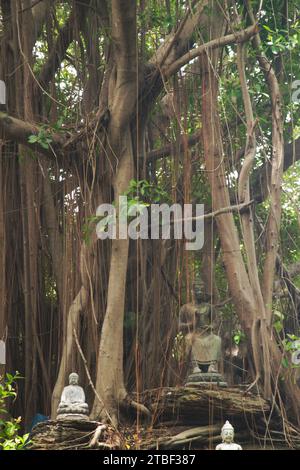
{"points": [[227, 433], [199, 292], [73, 378]]}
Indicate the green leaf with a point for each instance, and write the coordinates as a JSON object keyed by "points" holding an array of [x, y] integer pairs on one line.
{"points": [[267, 28], [278, 326], [292, 337], [44, 144], [32, 139], [278, 314], [285, 363]]}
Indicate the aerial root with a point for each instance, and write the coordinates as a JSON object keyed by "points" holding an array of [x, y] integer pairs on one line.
{"points": [[97, 434]]}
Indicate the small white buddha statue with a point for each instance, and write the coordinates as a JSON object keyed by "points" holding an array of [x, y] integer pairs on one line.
{"points": [[72, 403], [227, 435]]}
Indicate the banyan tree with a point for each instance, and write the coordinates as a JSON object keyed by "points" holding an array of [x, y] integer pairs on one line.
{"points": [[164, 101]]}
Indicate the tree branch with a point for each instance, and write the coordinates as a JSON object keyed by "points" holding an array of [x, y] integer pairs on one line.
{"points": [[177, 41], [166, 151], [224, 210], [236, 37], [19, 131]]}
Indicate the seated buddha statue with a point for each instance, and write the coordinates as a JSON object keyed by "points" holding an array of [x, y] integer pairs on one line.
{"points": [[72, 403], [203, 347]]}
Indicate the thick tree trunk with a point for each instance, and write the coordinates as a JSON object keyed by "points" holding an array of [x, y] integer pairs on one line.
{"points": [[110, 377], [122, 103]]}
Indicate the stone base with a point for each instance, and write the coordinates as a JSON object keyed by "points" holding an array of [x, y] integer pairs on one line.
{"points": [[72, 417], [206, 384], [205, 378], [72, 435]]}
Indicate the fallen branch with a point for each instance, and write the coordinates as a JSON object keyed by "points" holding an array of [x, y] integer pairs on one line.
{"points": [[191, 405]]}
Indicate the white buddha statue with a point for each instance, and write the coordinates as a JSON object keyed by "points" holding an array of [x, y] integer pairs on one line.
{"points": [[227, 435], [72, 403]]}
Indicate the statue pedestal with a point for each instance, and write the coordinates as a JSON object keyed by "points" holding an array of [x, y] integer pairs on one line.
{"points": [[72, 417], [205, 378]]}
